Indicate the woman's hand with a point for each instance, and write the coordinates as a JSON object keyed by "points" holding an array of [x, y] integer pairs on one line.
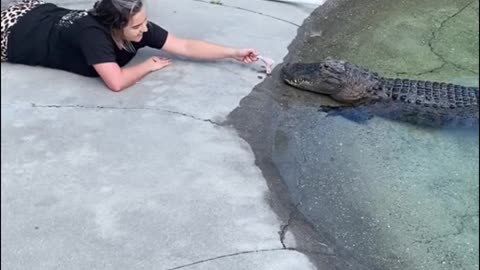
{"points": [[155, 63], [245, 55]]}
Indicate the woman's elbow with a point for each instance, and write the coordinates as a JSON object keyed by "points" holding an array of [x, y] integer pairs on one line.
{"points": [[111, 75], [115, 87]]}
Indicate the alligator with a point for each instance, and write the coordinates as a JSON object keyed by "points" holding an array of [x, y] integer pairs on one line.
{"points": [[363, 93]]}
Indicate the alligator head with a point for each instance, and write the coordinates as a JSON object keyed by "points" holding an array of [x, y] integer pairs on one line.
{"points": [[341, 80], [326, 77]]}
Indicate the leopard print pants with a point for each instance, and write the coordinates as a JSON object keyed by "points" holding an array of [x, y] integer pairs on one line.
{"points": [[10, 16]]}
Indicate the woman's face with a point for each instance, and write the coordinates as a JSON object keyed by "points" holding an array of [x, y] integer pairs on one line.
{"points": [[137, 25]]}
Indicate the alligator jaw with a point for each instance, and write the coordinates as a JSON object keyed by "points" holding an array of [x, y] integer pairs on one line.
{"points": [[288, 75], [292, 82], [321, 77], [296, 75]]}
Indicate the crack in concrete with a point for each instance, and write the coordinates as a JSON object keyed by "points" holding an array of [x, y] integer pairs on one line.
{"points": [[434, 36], [282, 233], [432, 49], [321, 249], [284, 228], [126, 108], [436, 238], [252, 11], [227, 255], [423, 72], [463, 219], [458, 230], [248, 252], [194, 117]]}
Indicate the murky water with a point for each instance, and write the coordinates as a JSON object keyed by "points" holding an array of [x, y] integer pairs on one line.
{"points": [[390, 195], [383, 194]]}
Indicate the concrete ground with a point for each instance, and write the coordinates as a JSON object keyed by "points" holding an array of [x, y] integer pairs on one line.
{"points": [[147, 178]]}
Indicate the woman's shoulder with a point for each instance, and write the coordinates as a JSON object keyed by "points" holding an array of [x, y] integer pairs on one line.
{"points": [[89, 29], [87, 22]]}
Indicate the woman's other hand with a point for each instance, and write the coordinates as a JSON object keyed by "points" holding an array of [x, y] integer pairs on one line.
{"points": [[155, 63]]}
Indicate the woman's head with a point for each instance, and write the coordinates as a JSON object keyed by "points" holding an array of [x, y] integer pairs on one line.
{"points": [[126, 18]]}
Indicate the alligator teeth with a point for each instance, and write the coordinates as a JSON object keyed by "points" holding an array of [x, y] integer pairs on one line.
{"points": [[294, 82]]}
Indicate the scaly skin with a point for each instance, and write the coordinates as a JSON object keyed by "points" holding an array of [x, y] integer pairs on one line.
{"points": [[425, 102]]}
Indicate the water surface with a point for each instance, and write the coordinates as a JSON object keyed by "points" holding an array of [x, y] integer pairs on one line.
{"points": [[382, 194]]}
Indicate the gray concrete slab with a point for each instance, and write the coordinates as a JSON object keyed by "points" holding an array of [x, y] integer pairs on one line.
{"points": [[146, 178]]}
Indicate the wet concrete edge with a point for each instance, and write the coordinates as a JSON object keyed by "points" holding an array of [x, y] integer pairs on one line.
{"points": [[255, 122]]}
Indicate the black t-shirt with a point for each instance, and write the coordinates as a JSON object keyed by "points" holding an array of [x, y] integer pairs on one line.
{"points": [[71, 40]]}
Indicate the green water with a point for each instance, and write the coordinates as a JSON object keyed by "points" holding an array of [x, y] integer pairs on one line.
{"points": [[391, 195], [435, 40], [380, 195]]}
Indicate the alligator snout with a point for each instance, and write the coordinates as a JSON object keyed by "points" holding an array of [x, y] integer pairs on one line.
{"points": [[321, 77], [295, 74]]}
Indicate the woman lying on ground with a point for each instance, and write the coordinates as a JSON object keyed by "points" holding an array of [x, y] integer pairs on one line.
{"points": [[98, 42]]}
